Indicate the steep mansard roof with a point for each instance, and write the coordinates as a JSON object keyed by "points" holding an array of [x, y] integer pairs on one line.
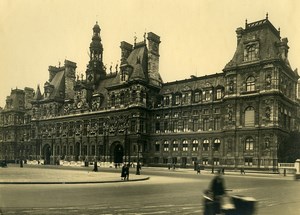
{"points": [[269, 43]]}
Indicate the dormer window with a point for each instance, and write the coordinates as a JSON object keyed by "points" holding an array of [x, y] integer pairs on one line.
{"points": [[251, 51]]}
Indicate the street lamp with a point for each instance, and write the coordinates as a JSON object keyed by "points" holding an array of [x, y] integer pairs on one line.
{"points": [[138, 154]]}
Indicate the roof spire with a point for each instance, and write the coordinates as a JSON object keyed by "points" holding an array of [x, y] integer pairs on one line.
{"points": [[267, 15], [246, 23]]}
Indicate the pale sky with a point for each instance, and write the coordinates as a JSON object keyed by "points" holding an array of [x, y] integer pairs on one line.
{"points": [[198, 36]]}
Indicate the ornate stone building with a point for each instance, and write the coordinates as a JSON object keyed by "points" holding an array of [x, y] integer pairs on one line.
{"points": [[235, 118]]}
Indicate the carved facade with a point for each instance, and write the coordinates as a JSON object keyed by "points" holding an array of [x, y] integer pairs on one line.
{"points": [[235, 118]]}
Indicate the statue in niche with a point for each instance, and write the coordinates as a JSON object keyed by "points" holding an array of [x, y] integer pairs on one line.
{"points": [[268, 113], [268, 80], [230, 115], [231, 86]]}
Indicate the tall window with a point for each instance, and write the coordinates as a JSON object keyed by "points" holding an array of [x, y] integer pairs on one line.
{"points": [[157, 127], [175, 126], [185, 125], [219, 93], [249, 142], [133, 96], [207, 95], [177, 99], [249, 117], [157, 146], [206, 124], [217, 124], [166, 146], [195, 124], [205, 145], [185, 146], [167, 100], [113, 100], [175, 145], [217, 144], [166, 127], [197, 96], [122, 98], [250, 84], [195, 145]]}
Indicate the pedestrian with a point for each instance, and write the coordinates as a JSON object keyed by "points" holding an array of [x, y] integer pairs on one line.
{"points": [[123, 172], [217, 188], [174, 166], [223, 170], [169, 166], [127, 172], [212, 170], [242, 171], [95, 167], [198, 169], [284, 172]]}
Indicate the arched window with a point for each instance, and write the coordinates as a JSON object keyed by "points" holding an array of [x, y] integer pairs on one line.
{"points": [[249, 144], [249, 117], [185, 146], [157, 146], [217, 144], [166, 146], [195, 145], [250, 84], [205, 145], [175, 145]]}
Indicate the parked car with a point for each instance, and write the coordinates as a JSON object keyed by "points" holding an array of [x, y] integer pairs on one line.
{"points": [[3, 163]]}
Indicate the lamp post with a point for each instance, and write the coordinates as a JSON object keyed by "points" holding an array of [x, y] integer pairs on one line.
{"points": [[138, 154]]}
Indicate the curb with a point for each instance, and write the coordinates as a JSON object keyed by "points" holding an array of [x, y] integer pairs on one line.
{"points": [[75, 182]]}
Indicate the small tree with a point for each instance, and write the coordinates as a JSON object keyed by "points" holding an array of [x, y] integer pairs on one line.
{"points": [[289, 149]]}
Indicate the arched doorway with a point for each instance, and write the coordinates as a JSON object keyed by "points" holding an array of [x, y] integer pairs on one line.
{"points": [[118, 153], [46, 154], [77, 151]]}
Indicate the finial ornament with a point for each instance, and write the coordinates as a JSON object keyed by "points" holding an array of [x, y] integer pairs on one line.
{"points": [[135, 38], [267, 15]]}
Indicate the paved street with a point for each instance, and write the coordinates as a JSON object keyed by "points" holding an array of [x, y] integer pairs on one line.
{"points": [[166, 192]]}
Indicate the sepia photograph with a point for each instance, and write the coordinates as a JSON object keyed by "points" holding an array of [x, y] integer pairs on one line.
{"points": [[141, 107]]}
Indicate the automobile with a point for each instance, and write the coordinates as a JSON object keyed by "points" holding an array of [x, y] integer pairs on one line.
{"points": [[3, 163]]}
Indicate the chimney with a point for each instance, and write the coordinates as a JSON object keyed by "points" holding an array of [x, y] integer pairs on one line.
{"points": [[126, 49]]}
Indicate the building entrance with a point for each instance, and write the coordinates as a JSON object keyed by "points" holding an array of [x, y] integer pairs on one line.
{"points": [[46, 154], [77, 151], [118, 154]]}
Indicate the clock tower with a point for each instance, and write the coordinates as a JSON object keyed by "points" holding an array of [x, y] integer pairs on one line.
{"points": [[95, 70]]}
